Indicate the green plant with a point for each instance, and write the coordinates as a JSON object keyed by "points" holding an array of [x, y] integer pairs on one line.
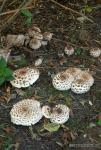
{"points": [[28, 15], [78, 52], [6, 73]]}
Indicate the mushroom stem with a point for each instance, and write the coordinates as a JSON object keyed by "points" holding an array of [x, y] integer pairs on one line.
{"points": [[33, 135]]}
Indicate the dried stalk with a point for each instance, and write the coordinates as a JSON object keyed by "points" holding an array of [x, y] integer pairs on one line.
{"points": [[69, 9], [9, 21], [2, 6]]}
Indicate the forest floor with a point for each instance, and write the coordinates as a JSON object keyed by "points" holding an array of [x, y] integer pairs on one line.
{"points": [[83, 129]]}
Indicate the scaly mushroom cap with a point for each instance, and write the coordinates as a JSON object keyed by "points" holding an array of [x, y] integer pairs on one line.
{"points": [[26, 112], [15, 40], [47, 36], [62, 81], [25, 77], [5, 53], [35, 43], [73, 71], [32, 31], [82, 83], [69, 50], [95, 52], [46, 111], [60, 114]]}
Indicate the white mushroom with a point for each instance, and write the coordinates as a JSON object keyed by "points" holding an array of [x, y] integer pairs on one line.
{"points": [[46, 111], [25, 77], [15, 40], [26, 112], [82, 83], [35, 44], [95, 52], [62, 81], [69, 50], [60, 114]]}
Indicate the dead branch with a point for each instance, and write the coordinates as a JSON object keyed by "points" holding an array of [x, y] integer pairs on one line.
{"points": [[74, 11]]}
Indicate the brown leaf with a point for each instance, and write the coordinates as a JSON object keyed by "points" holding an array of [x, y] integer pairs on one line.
{"points": [[8, 129]]}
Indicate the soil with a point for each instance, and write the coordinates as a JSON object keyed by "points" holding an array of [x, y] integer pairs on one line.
{"points": [[81, 132]]}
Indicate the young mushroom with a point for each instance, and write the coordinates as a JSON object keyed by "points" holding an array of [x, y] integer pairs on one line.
{"points": [[46, 111], [15, 40], [82, 83], [26, 112], [32, 31], [35, 43], [25, 77], [60, 114], [47, 36], [95, 52], [69, 50]]}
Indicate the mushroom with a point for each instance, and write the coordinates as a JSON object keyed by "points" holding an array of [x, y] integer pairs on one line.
{"points": [[46, 111], [25, 77], [32, 31], [26, 112], [82, 83], [63, 80], [69, 50], [15, 40], [60, 114], [47, 36], [95, 52], [35, 43]]}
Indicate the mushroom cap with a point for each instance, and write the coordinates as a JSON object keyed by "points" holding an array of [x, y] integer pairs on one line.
{"points": [[73, 71], [47, 36], [46, 111], [15, 40], [26, 112], [25, 77], [82, 83], [60, 114], [35, 43], [69, 50], [95, 52], [32, 31], [62, 81]]}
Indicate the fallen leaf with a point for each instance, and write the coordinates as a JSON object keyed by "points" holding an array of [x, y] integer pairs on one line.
{"points": [[51, 127]]}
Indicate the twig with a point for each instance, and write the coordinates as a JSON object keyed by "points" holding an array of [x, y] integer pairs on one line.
{"points": [[23, 5], [67, 8], [33, 135], [13, 11], [2, 6]]}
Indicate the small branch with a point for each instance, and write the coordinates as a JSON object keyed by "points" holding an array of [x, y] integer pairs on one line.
{"points": [[9, 21], [75, 12], [2, 6], [13, 11], [33, 135]]}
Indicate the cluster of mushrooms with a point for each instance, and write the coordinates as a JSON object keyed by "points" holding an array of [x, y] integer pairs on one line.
{"points": [[94, 51], [29, 111], [33, 39]]}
